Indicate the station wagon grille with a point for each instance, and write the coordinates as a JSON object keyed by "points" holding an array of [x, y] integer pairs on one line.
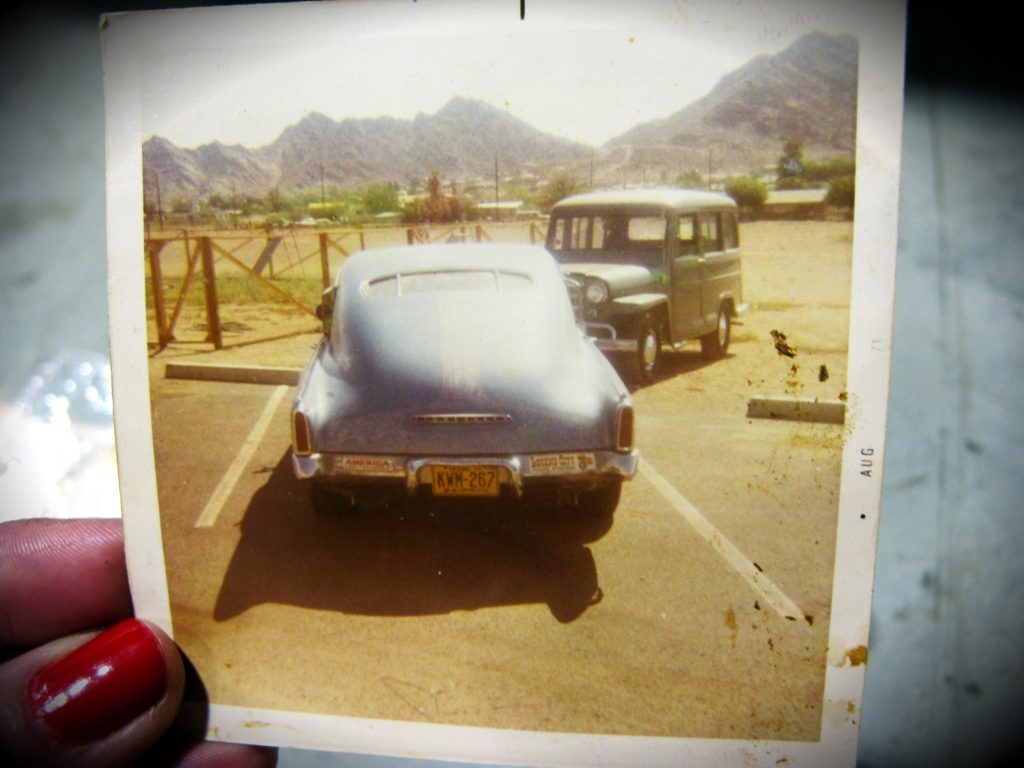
{"points": [[462, 418]]}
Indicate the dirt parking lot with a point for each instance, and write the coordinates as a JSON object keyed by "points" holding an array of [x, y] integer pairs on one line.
{"points": [[704, 611]]}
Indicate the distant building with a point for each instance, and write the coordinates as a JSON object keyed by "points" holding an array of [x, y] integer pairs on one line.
{"points": [[505, 210], [795, 204]]}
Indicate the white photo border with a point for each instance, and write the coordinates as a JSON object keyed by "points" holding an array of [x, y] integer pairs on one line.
{"points": [[880, 94]]}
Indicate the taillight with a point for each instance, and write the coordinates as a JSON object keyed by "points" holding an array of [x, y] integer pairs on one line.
{"points": [[301, 442], [624, 431]]}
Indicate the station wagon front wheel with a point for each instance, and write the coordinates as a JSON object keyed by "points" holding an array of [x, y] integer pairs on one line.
{"points": [[716, 343], [648, 352]]}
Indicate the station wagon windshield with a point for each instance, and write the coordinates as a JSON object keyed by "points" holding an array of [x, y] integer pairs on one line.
{"points": [[609, 237]]}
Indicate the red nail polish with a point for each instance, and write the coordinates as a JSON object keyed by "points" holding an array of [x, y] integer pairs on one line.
{"points": [[102, 684]]}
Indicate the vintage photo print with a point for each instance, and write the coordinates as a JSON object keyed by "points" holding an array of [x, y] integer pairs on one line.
{"points": [[506, 382]]}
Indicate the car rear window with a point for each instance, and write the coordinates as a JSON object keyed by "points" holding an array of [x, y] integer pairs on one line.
{"points": [[447, 281]]}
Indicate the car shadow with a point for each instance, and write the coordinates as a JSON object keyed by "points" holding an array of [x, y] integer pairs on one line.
{"points": [[671, 364], [413, 558]]}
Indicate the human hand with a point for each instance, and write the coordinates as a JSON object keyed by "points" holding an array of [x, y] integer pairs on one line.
{"points": [[71, 694]]}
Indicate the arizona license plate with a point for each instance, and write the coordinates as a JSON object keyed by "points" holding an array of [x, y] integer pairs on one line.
{"points": [[464, 481]]}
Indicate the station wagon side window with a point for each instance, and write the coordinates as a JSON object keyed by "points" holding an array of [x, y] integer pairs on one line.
{"points": [[710, 232], [730, 232], [608, 235], [646, 233], [686, 235], [570, 233]]}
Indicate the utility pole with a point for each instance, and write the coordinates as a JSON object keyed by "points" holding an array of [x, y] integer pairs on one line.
{"points": [[591, 169], [159, 205], [497, 210], [709, 169]]}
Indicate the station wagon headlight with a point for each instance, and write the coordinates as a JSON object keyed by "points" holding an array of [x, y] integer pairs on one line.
{"points": [[596, 292]]}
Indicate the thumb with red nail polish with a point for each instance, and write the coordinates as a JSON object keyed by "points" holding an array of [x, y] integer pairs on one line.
{"points": [[101, 699]]}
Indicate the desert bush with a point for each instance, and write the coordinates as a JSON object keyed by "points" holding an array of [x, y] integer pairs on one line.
{"points": [[747, 191], [841, 192]]}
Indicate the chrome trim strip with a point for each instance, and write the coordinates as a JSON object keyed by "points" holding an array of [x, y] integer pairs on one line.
{"points": [[615, 345], [462, 418], [601, 331]]}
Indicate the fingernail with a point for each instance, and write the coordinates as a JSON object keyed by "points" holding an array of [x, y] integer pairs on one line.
{"points": [[101, 685]]}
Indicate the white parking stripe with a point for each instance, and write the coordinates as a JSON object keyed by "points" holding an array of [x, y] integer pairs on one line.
{"points": [[227, 483], [736, 560]]}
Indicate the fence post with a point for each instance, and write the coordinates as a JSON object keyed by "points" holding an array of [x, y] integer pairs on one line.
{"points": [[160, 309], [325, 267], [408, 235], [210, 280], [362, 240]]}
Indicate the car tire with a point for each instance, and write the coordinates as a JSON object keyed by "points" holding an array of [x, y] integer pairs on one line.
{"points": [[715, 344], [648, 351], [327, 501]]}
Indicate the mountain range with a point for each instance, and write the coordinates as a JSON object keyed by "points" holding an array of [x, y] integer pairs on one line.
{"points": [[808, 91]]}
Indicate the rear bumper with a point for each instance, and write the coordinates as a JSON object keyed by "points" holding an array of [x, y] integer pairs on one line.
{"points": [[584, 468]]}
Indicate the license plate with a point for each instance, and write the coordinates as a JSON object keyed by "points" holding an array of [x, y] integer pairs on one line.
{"points": [[464, 481]]}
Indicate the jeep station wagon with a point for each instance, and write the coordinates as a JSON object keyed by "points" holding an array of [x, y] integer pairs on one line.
{"points": [[656, 267]]}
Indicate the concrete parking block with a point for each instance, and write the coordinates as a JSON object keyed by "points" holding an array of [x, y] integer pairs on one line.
{"points": [[796, 409], [241, 374]]}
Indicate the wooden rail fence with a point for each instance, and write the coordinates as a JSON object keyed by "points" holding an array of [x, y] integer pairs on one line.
{"points": [[271, 257]]}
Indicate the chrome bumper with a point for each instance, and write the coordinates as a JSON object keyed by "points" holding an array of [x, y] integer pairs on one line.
{"points": [[606, 338], [581, 467]]}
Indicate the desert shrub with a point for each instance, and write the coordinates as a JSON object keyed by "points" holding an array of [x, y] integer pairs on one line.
{"points": [[558, 187], [747, 191], [826, 170], [841, 192], [796, 182], [690, 180]]}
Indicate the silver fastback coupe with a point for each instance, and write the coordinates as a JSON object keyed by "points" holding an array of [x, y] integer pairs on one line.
{"points": [[458, 370]]}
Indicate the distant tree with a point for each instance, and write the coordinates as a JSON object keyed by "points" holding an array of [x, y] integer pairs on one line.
{"points": [[747, 191], [558, 187], [436, 208], [218, 201], [841, 192], [470, 211], [792, 161], [181, 205], [434, 185], [380, 198], [690, 180], [826, 170], [273, 199]]}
